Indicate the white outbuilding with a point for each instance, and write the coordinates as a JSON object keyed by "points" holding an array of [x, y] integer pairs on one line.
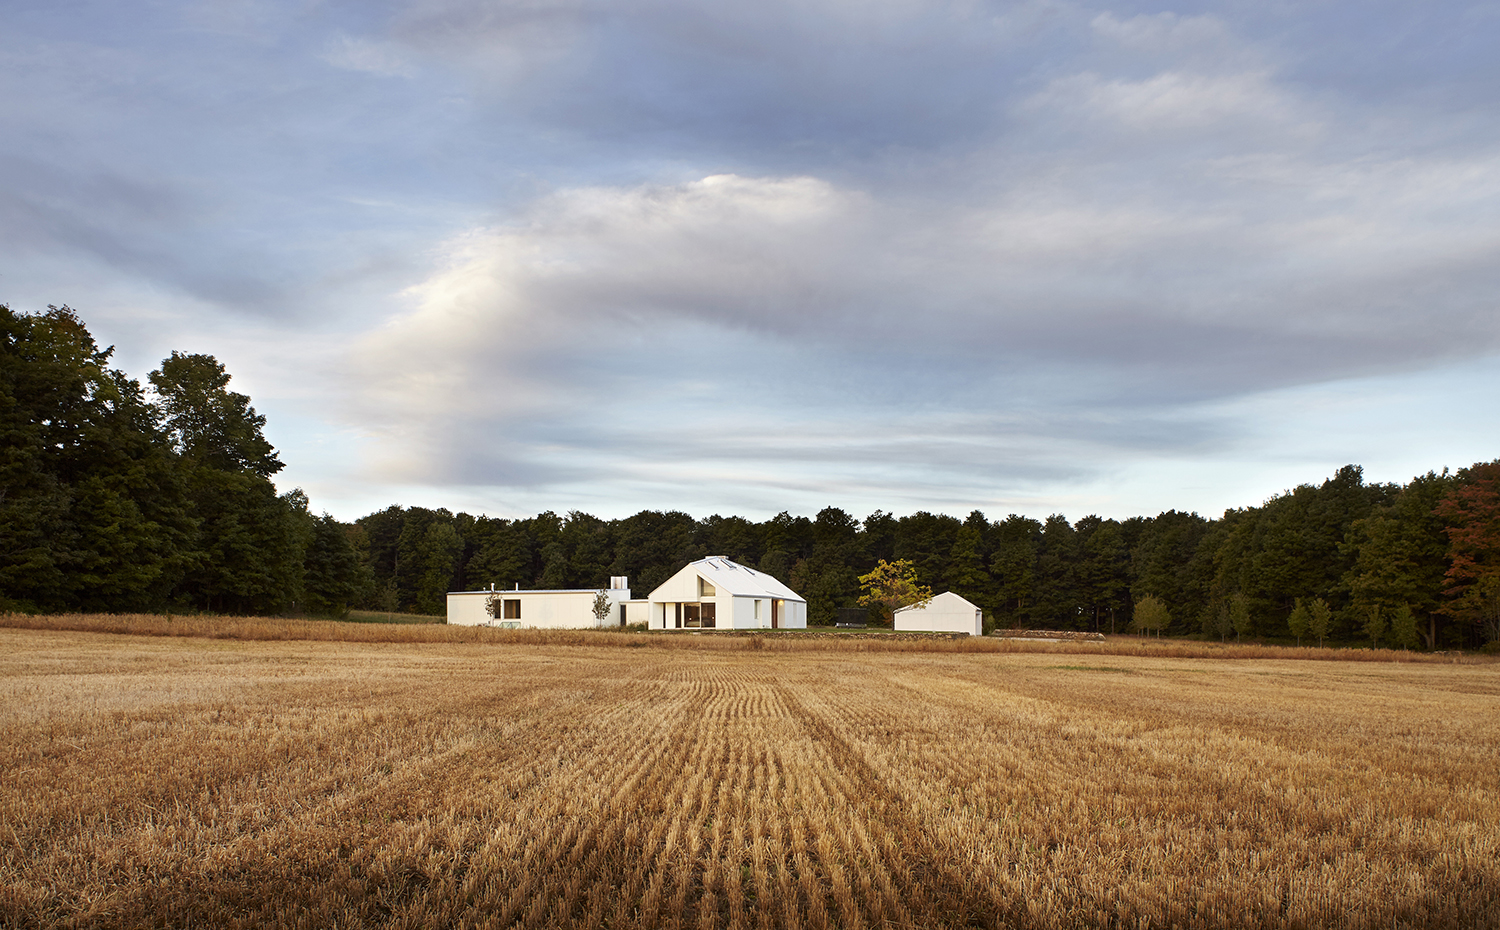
{"points": [[945, 613], [715, 593], [565, 609]]}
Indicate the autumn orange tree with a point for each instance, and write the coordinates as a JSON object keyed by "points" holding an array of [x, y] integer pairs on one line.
{"points": [[1472, 511], [890, 586]]}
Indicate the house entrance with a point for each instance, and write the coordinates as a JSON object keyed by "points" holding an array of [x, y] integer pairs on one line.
{"points": [[699, 616]]}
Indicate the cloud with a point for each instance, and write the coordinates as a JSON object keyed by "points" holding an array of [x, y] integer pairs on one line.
{"points": [[949, 249], [1163, 32], [1177, 102], [369, 56], [616, 331]]}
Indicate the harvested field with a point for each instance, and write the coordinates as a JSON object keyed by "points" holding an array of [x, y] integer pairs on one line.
{"points": [[176, 781], [816, 638]]}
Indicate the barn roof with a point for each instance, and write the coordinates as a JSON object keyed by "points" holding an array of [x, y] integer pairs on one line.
{"points": [[738, 580], [947, 598]]}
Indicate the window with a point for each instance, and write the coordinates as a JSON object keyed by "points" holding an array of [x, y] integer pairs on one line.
{"points": [[511, 609], [707, 612], [705, 588], [757, 608]]}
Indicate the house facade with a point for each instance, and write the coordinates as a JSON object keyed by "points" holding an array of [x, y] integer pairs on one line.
{"points": [[945, 613], [564, 609], [712, 593], [715, 593]]}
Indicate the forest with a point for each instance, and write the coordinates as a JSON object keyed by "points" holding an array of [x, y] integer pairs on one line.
{"points": [[115, 497]]}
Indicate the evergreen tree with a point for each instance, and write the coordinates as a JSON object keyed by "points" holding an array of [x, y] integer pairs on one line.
{"points": [[1399, 552], [966, 574], [439, 558], [1104, 570], [334, 576], [1013, 568]]}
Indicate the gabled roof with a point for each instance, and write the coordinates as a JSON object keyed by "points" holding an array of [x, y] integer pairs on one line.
{"points": [[736, 579], [946, 599]]}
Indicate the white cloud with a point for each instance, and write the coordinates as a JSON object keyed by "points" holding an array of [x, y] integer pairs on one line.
{"points": [[1177, 101], [935, 250], [1162, 32], [369, 56]]}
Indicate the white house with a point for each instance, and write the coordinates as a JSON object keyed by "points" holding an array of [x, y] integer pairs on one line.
{"points": [[946, 613], [715, 593], [566, 609]]}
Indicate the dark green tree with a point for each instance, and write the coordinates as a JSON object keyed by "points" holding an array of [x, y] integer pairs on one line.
{"points": [[247, 557], [93, 512], [207, 423], [334, 576], [966, 562], [1399, 553], [1013, 567]]}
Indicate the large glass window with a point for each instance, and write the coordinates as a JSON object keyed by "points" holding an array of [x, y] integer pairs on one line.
{"points": [[690, 616], [708, 614], [706, 589], [511, 609]]}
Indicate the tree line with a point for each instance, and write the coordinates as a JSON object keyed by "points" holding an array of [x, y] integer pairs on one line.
{"points": [[1366, 552], [114, 500]]}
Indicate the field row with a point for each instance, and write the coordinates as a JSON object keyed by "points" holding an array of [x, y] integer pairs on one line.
{"points": [[188, 781]]}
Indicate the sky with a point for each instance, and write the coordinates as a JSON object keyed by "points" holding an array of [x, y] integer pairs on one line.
{"points": [[507, 256]]}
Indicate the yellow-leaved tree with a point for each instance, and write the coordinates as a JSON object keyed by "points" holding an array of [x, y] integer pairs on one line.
{"points": [[893, 585]]}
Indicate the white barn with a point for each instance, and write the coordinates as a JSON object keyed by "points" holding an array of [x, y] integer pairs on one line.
{"points": [[564, 609], [946, 613], [715, 593]]}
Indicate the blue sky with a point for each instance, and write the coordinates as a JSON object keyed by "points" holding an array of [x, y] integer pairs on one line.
{"points": [[740, 258]]}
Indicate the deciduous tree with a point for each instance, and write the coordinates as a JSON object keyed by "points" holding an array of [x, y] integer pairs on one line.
{"points": [[1319, 617], [1404, 627], [1151, 615], [1472, 509], [1239, 614], [891, 586], [1297, 622], [601, 607]]}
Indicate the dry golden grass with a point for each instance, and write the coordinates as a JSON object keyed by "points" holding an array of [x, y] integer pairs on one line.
{"points": [[821, 639], [191, 781]]}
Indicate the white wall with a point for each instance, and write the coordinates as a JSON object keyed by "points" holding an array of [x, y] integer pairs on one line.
{"points": [[681, 588], [546, 610], [732, 613], [946, 613]]}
